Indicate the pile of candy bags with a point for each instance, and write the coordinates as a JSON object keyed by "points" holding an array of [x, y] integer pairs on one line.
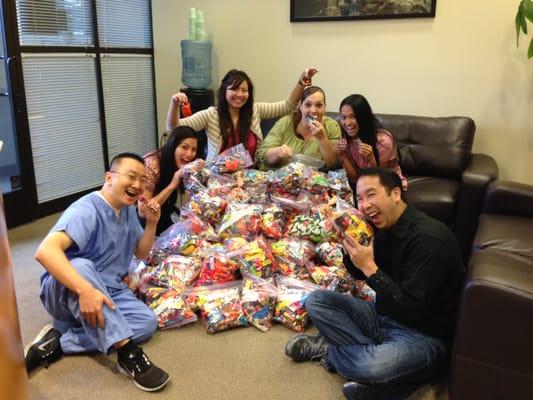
{"points": [[250, 246]]}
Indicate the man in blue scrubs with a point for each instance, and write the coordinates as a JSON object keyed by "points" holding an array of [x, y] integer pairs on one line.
{"points": [[86, 257]]}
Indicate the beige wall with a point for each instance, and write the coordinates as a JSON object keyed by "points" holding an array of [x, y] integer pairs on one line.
{"points": [[463, 62]]}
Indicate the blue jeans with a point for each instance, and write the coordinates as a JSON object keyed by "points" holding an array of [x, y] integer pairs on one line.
{"points": [[369, 348]]}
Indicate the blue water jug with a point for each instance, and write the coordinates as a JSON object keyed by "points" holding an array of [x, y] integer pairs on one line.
{"points": [[196, 62]]}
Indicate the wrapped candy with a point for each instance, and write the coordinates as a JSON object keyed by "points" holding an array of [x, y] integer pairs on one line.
{"points": [[217, 267], [292, 254], [258, 299], [136, 270], [234, 243], [256, 258], [365, 292], [241, 220], [332, 278], [171, 310], [330, 253], [309, 228], [231, 160], [219, 305], [317, 183], [290, 305], [220, 185], [272, 222]]}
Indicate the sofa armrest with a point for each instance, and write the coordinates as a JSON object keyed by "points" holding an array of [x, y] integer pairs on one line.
{"points": [[479, 173], [509, 198]]}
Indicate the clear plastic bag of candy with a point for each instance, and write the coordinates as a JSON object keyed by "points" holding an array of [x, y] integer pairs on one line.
{"points": [[221, 184], [195, 175], [308, 227], [290, 304], [317, 183], [217, 267], [179, 238], [258, 299], [200, 227], [171, 310], [256, 258], [208, 208], [288, 179], [292, 254], [241, 220], [300, 202], [231, 160], [219, 306], [136, 270], [365, 292], [350, 221], [176, 272], [339, 186]]}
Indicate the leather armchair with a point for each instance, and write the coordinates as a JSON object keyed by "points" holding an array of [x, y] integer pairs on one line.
{"points": [[492, 357], [446, 180]]}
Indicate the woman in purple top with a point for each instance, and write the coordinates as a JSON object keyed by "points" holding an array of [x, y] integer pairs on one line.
{"points": [[365, 143]]}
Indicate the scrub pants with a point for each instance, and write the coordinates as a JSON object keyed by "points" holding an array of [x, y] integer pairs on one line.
{"points": [[130, 319]]}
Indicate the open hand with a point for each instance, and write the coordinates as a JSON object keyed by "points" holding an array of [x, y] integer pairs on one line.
{"points": [[307, 76]]}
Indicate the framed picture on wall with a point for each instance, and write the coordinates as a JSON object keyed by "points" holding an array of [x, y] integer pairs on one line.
{"points": [[342, 10]]}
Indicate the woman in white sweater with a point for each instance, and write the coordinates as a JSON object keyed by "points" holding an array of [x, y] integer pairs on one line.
{"points": [[236, 118]]}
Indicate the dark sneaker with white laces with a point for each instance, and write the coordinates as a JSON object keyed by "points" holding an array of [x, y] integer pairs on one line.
{"points": [[146, 376], [303, 347], [44, 350]]}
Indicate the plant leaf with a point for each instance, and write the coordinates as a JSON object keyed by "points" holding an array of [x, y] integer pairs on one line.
{"points": [[527, 9], [530, 50], [517, 23]]}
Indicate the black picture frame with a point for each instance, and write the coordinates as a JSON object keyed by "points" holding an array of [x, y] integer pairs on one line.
{"points": [[344, 10]]}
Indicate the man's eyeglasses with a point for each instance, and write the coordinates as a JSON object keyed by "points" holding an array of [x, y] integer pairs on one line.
{"points": [[131, 177]]}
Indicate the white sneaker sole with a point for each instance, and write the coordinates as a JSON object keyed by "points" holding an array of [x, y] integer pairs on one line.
{"points": [[47, 328], [126, 373]]}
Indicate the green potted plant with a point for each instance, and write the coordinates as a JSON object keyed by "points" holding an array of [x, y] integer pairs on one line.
{"points": [[525, 12]]}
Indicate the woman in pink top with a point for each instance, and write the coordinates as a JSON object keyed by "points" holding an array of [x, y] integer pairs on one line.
{"points": [[365, 143]]}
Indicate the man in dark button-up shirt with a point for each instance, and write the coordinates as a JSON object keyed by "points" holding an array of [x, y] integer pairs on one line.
{"points": [[414, 265]]}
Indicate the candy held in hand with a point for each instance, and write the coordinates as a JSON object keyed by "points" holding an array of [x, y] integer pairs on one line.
{"points": [[349, 222]]}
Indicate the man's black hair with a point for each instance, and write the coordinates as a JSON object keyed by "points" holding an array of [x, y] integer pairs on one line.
{"points": [[118, 158], [387, 177]]}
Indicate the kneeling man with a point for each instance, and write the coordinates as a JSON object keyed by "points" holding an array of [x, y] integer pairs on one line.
{"points": [[86, 257]]}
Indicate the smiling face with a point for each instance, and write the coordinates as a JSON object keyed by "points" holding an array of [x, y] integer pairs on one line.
{"points": [[349, 121], [124, 183], [185, 152], [313, 106], [380, 207], [237, 96]]}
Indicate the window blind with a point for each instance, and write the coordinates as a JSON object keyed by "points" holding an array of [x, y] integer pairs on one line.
{"points": [[128, 103], [63, 117], [55, 22], [124, 23]]}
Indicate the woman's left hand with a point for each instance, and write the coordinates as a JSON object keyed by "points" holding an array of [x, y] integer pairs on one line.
{"points": [[307, 76]]}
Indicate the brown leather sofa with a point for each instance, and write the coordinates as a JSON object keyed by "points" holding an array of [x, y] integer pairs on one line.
{"points": [[446, 180], [493, 353]]}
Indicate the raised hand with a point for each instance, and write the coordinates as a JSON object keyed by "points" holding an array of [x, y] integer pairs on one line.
{"points": [[179, 98]]}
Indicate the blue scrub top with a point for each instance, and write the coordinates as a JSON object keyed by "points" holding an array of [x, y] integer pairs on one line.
{"points": [[101, 236]]}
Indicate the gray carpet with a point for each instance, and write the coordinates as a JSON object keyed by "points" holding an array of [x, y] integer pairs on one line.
{"points": [[238, 364]]}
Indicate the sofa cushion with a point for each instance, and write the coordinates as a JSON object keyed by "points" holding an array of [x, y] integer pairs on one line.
{"points": [[432, 146], [434, 196], [505, 233]]}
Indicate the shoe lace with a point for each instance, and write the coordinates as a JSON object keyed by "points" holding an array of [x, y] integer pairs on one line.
{"points": [[140, 360]]}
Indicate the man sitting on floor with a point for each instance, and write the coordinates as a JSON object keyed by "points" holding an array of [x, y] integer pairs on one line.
{"points": [[86, 256], [402, 341]]}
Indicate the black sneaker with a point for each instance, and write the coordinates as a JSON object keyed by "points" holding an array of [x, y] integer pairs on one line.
{"points": [[44, 350], [303, 347], [146, 376]]}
